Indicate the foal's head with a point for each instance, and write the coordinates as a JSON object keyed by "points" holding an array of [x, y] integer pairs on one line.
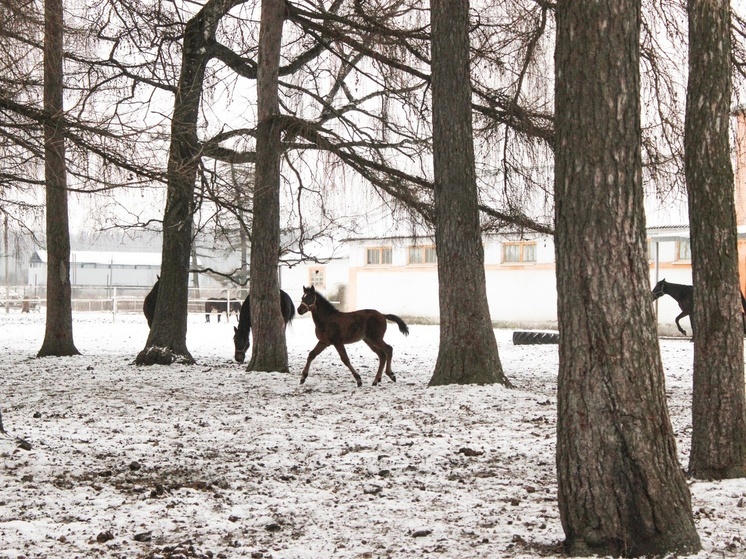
{"points": [[308, 301]]}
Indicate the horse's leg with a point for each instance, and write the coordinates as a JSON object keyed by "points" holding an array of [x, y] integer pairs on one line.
{"points": [[346, 360], [321, 346], [682, 315], [389, 355], [381, 360]]}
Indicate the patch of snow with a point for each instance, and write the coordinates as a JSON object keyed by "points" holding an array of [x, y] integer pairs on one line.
{"points": [[210, 460]]}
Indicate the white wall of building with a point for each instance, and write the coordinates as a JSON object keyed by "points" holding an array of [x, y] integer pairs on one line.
{"points": [[519, 294]]}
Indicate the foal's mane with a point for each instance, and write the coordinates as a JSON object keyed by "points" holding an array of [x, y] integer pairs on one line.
{"points": [[323, 302]]}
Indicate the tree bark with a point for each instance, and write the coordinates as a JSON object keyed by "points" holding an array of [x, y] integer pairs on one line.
{"points": [[468, 349], [269, 350], [167, 340], [58, 336], [621, 489], [719, 403]]}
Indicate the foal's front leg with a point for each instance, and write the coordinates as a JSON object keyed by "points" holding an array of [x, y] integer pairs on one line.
{"points": [[321, 346], [682, 315], [346, 360]]}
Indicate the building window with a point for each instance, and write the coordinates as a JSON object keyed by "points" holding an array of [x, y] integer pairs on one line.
{"points": [[422, 255], [378, 256], [683, 250], [519, 252], [317, 278]]}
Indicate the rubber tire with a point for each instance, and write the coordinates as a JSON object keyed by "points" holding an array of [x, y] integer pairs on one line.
{"points": [[521, 337]]}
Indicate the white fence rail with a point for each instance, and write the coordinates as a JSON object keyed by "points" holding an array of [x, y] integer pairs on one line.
{"points": [[116, 300]]}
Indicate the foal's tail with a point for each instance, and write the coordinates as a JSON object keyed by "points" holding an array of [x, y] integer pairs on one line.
{"points": [[403, 328]]}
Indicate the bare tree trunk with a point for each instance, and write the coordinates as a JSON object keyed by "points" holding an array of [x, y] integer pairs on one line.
{"points": [[269, 351], [468, 349], [58, 336], [621, 488], [167, 340], [719, 403]]}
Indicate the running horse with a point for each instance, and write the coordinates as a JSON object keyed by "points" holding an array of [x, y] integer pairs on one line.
{"points": [[241, 338], [337, 328], [684, 296]]}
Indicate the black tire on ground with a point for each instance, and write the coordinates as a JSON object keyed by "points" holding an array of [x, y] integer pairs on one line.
{"points": [[521, 337]]}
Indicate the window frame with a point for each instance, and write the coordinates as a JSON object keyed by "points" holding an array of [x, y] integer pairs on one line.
{"points": [[314, 272], [382, 252], [521, 246], [688, 253], [423, 251]]}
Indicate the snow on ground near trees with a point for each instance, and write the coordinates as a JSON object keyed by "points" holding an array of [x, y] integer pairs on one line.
{"points": [[213, 461]]}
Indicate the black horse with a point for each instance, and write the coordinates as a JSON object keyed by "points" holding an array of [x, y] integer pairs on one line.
{"points": [[241, 337], [221, 306], [148, 305], [684, 296]]}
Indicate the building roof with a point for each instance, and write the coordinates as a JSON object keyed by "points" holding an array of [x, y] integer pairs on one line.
{"points": [[106, 257], [679, 233]]}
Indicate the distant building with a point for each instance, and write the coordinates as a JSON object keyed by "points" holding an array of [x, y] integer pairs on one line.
{"points": [[400, 275], [90, 268]]}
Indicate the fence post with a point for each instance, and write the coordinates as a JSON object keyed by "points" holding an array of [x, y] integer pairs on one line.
{"points": [[114, 304]]}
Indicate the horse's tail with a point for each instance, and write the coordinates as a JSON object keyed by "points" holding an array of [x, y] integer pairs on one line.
{"points": [[286, 307], [403, 328]]}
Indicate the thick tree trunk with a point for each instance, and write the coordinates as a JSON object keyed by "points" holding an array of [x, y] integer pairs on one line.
{"points": [[269, 350], [167, 340], [58, 337], [621, 488], [468, 350], [719, 406]]}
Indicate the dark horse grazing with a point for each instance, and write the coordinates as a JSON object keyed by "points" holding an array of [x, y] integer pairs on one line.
{"points": [[241, 338], [684, 296], [148, 305], [221, 306], [338, 328]]}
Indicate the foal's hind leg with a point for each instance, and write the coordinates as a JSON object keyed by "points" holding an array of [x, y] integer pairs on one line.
{"points": [[346, 360], [381, 360], [389, 356], [321, 346], [682, 315]]}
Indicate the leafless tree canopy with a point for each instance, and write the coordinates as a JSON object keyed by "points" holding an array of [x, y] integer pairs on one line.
{"points": [[355, 102]]}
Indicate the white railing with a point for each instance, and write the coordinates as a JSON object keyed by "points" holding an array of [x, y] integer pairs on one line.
{"points": [[27, 299]]}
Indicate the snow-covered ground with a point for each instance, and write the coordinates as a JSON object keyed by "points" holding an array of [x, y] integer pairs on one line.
{"points": [[213, 461]]}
